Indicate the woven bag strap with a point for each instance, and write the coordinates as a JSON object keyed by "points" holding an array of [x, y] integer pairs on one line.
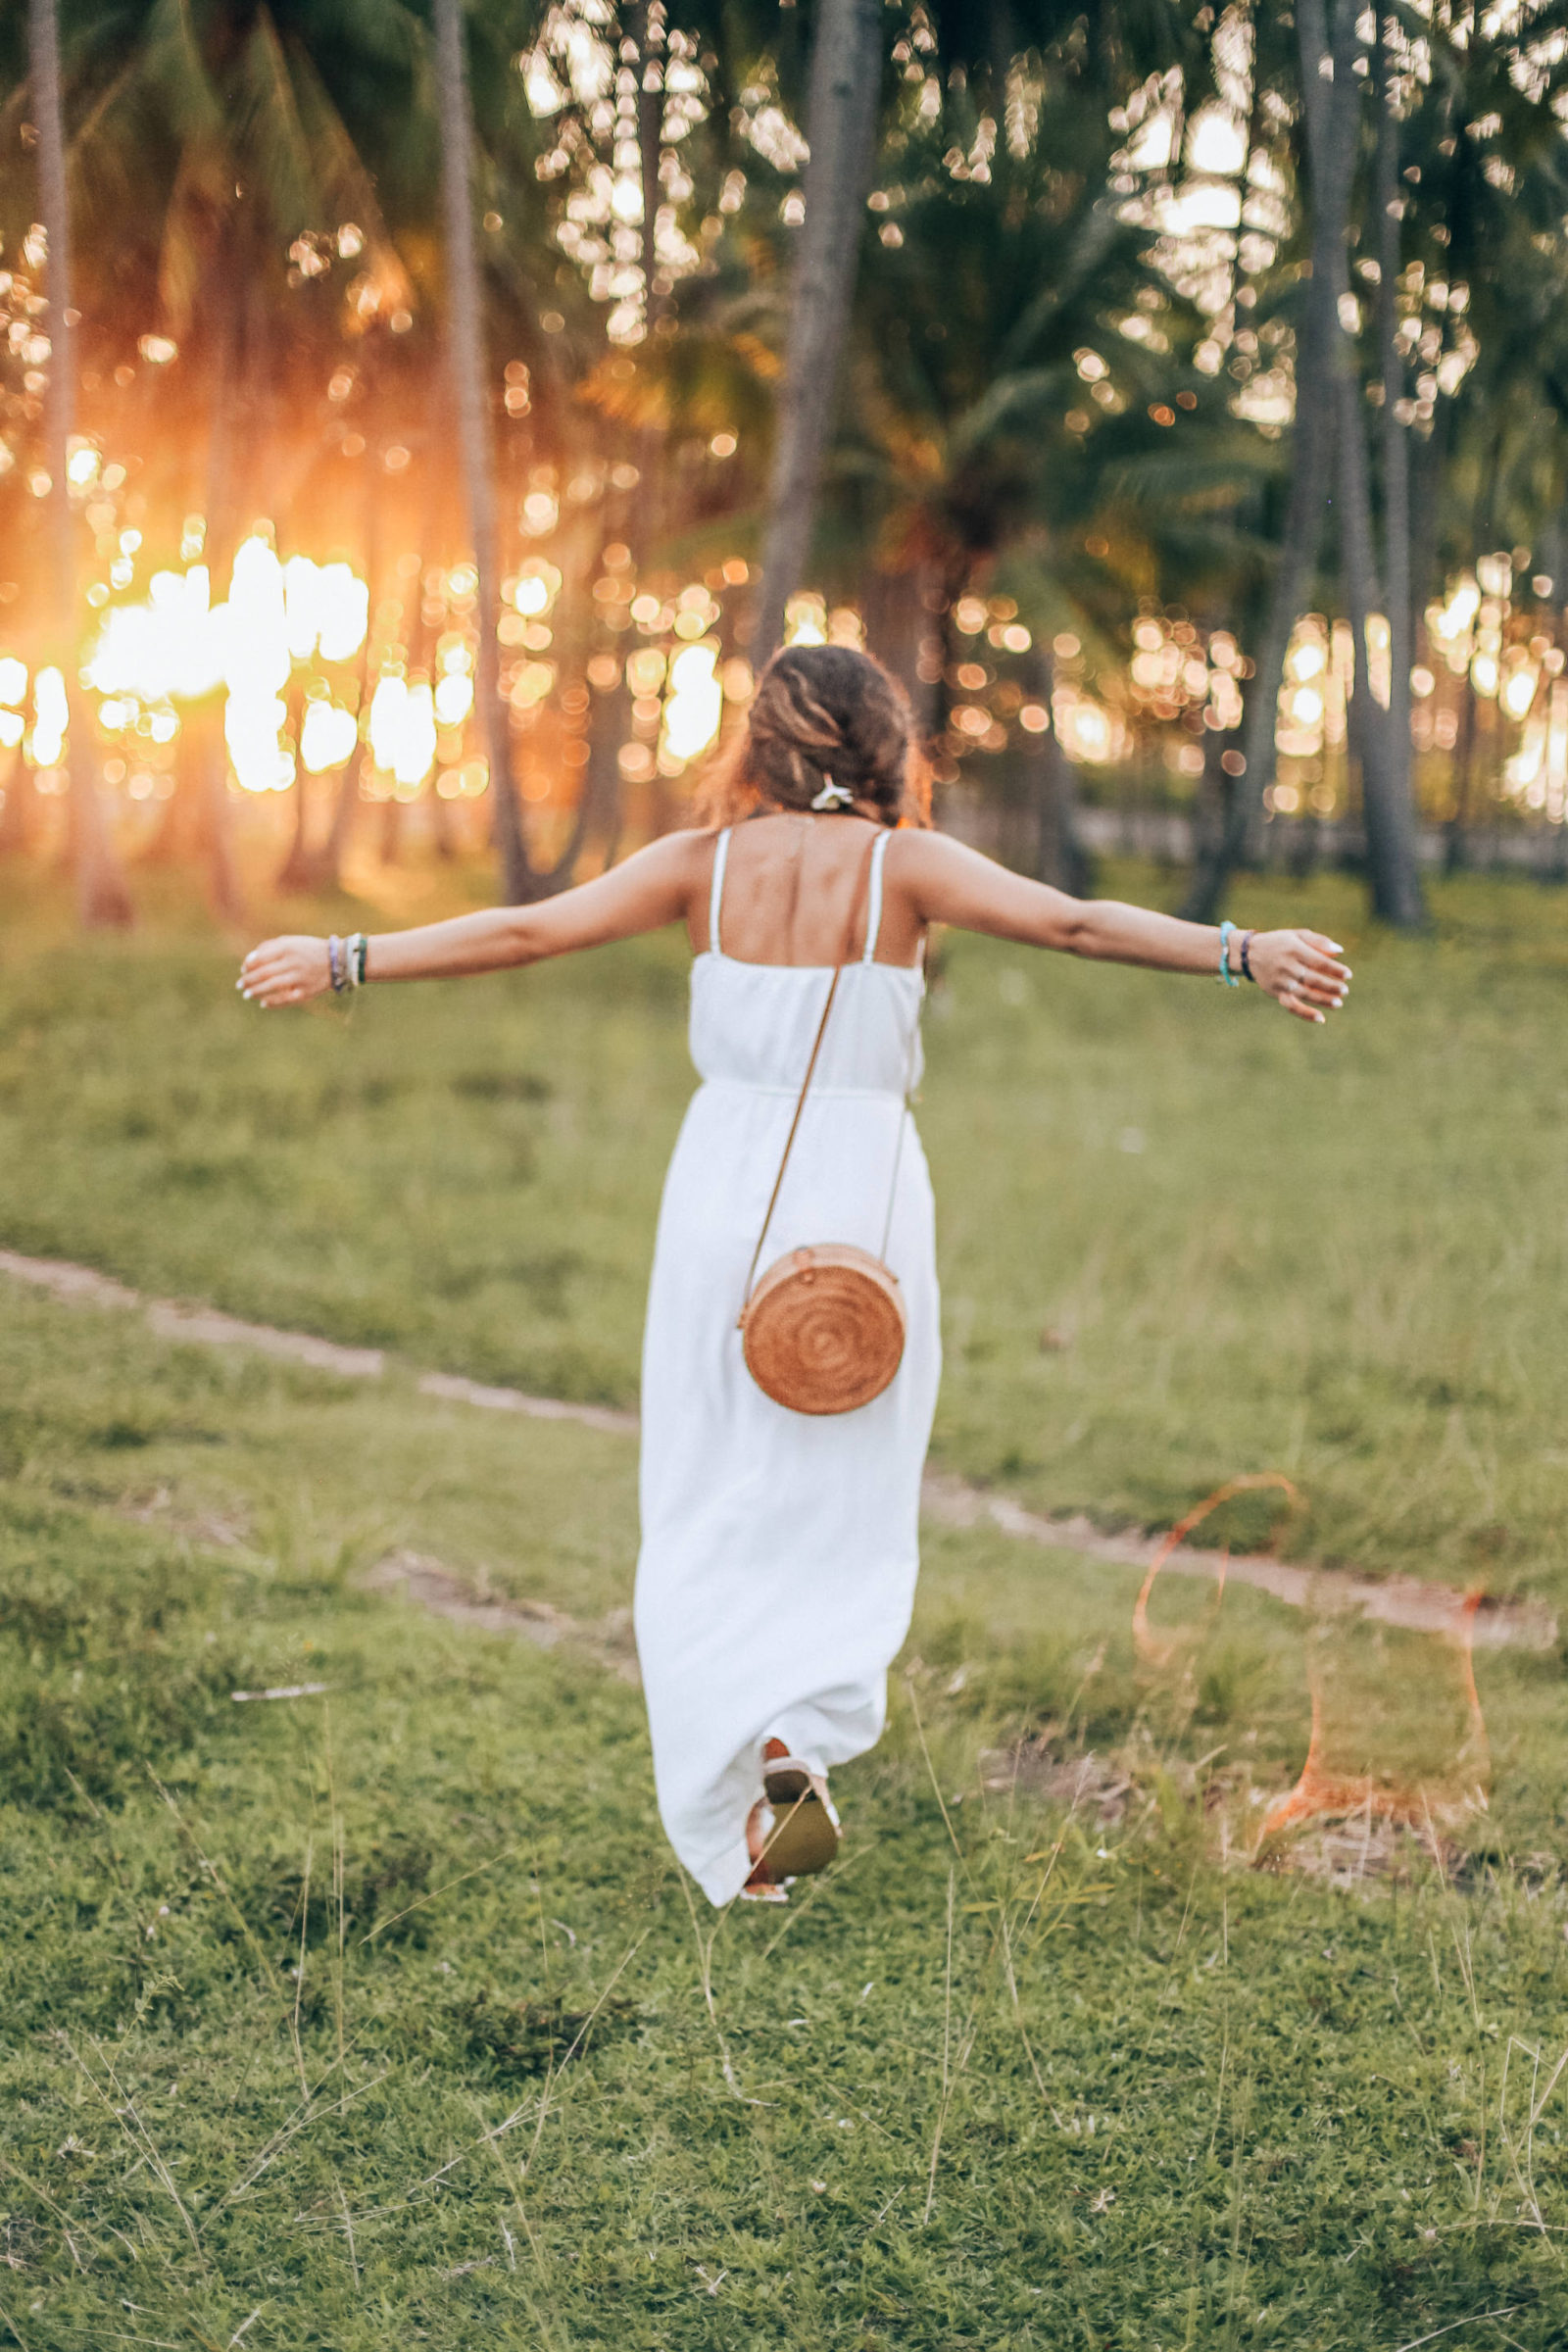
{"points": [[817, 1048]]}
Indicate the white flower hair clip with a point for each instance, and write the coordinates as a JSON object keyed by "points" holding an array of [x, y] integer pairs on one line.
{"points": [[833, 796]]}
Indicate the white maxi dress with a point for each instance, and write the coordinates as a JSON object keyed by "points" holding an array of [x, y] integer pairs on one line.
{"points": [[779, 1549]]}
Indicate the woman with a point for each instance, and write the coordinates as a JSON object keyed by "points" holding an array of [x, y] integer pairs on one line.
{"points": [[779, 1549]]}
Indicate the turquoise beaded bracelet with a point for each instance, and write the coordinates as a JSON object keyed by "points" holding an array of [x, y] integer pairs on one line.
{"points": [[1225, 972]]}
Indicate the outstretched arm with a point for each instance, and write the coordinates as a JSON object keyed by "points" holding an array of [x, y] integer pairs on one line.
{"points": [[650, 890], [949, 883]]}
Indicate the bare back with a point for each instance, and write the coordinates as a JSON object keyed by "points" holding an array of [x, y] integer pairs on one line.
{"points": [[790, 885]]}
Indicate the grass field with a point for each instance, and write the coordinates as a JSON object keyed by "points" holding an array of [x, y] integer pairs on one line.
{"points": [[1337, 1254], [381, 2016]]}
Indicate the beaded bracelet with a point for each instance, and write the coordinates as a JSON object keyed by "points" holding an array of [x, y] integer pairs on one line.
{"points": [[335, 964], [1226, 974]]}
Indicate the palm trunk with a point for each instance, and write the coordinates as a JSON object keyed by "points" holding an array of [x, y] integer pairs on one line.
{"points": [[1060, 857], [102, 898], [609, 725], [1457, 840], [1334, 122], [345, 806], [223, 509], [425, 634], [1225, 812], [900, 629], [846, 79], [1329, 154], [648, 438], [441, 824], [298, 871], [1397, 549], [20, 809], [1358, 581], [650, 126], [1212, 803], [195, 816], [1327, 411], [1391, 854], [344, 810], [1428, 473], [609, 728], [197, 822], [1392, 871], [471, 385], [1311, 456]]}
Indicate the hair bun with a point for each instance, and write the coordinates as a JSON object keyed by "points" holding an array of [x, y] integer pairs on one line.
{"points": [[822, 710], [830, 711]]}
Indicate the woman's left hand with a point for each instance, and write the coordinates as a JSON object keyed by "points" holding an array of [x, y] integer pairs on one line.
{"points": [[1300, 968], [285, 971]]}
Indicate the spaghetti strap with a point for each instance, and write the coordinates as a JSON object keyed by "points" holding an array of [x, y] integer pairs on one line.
{"points": [[715, 894], [873, 904]]}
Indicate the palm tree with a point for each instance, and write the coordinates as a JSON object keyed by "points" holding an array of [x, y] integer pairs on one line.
{"points": [[101, 894], [1485, 194], [1299, 529], [1328, 462], [231, 127], [841, 127], [974, 458], [522, 879], [1393, 421], [1334, 119]]}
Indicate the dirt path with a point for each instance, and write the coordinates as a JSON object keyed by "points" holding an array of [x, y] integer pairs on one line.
{"points": [[432, 1586], [1399, 1600]]}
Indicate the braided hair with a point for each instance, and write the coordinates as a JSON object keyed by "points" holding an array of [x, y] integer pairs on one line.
{"points": [[824, 715]]}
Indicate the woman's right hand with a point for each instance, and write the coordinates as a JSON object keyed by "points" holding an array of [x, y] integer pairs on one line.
{"points": [[1301, 970], [285, 971]]}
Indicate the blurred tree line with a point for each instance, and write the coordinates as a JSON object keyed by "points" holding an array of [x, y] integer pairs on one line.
{"points": [[1142, 377]]}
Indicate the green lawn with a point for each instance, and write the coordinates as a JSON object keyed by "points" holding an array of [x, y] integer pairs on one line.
{"points": [[1014, 2073], [1339, 1253]]}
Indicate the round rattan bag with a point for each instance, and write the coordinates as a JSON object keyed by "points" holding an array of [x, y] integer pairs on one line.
{"points": [[824, 1330]]}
